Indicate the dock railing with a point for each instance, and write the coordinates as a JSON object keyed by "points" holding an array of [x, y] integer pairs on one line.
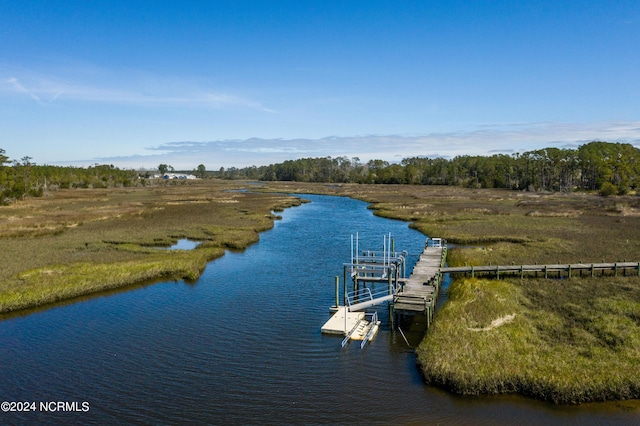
{"points": [[548, 271], [350, 333], [364, 297]]}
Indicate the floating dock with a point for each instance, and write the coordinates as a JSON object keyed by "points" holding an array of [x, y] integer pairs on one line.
{"points": [[342, 321], [378, 277], [353, 325]]}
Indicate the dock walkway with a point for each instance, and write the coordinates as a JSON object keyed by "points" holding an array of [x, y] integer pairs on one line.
{"points": [[556, 270], [379, 279], [419, 292]]}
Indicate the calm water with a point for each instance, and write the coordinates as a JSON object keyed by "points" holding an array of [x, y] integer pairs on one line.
{"points": [[242, 345]]}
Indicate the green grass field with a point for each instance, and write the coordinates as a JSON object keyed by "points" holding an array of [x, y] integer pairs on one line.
{"points": [[565, 341]]}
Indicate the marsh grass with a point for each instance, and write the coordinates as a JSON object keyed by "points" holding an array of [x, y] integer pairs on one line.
{"points": [[510, 226], [570, 341], [54, 283], [75, 242], [566, 341]]}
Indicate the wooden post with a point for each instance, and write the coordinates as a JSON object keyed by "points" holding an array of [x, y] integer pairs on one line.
{"points": [[545, 271], [592, 271], [615, 269], [337, 290], [472, 270], [344, 301], [391, 314], [569, 271]]}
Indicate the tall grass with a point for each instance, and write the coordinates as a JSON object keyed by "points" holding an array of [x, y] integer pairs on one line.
{"points": [[54, 283], [568, 341], [565, 341], [75, 242], [509, 226]]}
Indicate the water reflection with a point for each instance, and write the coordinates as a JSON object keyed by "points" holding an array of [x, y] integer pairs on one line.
{"points": [[185, 244]]}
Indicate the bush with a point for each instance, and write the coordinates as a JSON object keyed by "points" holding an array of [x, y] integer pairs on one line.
{"points": [[608, 189]]}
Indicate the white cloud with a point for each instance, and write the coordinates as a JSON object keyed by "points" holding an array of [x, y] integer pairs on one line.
{"points": [[487, 140]]}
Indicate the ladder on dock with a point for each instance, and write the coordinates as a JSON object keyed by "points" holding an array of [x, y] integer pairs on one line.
{"points": [[365, 330]]}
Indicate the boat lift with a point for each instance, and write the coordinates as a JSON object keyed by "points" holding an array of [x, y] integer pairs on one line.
{"points": [[367, 267]]}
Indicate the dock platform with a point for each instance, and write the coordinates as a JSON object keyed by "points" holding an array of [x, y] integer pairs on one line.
{"points": [[337, 324], [419, 292], [378, 278]]}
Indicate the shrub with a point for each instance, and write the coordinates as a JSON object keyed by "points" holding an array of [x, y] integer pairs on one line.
{"points": [[608, 189]]}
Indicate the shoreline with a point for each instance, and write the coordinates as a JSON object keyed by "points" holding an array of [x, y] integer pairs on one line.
{"points": [[100, 253], [498, 222], [506, 227]]}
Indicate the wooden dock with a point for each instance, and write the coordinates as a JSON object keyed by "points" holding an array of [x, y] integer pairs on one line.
{"points": [[378, 278], [548, 271], [419, 293]]}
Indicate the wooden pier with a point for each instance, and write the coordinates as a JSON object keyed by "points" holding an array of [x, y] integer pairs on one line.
{"points": [[548, 271], [378, 278], [422, 287], [419, 293]]}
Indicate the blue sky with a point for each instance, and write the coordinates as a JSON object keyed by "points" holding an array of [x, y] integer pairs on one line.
{"points": [[240, 83]]}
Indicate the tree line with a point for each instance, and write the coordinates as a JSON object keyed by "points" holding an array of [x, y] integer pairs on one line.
{"points": [[610, 168], [19, 179], [607, 167]]}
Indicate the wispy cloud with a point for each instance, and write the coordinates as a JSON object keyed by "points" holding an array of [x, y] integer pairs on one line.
{"points": [[488, 140], [143, 92], [36, 95]]}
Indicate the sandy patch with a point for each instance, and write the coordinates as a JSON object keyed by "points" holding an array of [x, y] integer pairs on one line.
{"points": [[495, 323]]}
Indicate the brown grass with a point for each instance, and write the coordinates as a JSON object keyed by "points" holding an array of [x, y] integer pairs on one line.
{"points": [[566, 341], [507, 226], [117, 229]]}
